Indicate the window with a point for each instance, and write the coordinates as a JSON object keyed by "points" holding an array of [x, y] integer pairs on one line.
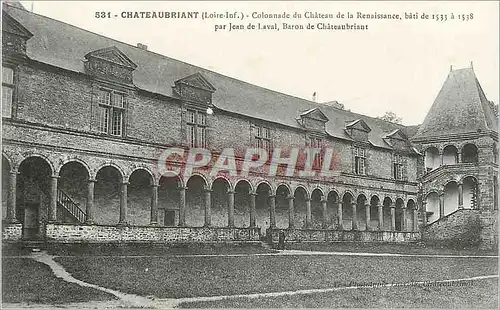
{"points": [[317, 143], [7, 91], [111, 112], [262, 137], [359, 161], [196, 128], [399, 167]]}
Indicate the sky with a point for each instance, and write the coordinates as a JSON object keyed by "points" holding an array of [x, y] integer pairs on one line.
{"points": [[396, 65]]}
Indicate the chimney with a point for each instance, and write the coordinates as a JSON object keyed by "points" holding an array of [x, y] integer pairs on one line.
{"points": [[142, 46], [314, 97]]}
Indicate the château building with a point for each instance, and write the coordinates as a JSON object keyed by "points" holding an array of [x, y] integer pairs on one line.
{"points": [[86, 119]]}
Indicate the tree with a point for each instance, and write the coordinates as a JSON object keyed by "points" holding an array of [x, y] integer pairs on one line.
{"points": [[391, 117]]}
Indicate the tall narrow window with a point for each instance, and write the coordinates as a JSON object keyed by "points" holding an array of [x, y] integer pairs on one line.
{"points": [[196, 128], [317, 143], [399, 167], [111, 112], [359, 161], [7, 91], [262, 136]]}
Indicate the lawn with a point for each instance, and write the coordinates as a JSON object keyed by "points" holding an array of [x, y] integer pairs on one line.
{"points": [[27, 281], [481, 294], [176, 277]]}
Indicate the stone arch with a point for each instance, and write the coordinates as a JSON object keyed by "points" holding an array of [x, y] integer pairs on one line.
{"points": [[302, 187], [450, 154], [220, 201], [451, 198], [470, 190], [147, 170], [169, 200], [263, 190], [243, 180], [9, 161], [348, 192], [243, 192], [470, 153], [317, 212], [74, 176], [108, 194], [334, 191], [75, 159], [347, 210], [432, 206], [140, 182], [26, 156], [432, 159], [110, 164], [283, 192], [267, 183], [206, 180]]}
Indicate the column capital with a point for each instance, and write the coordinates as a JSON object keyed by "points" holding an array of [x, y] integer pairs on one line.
{"points": [[125, 183], [252, 194], [154, 185], [16, 172], [324, 201], [55, 176], [272, 196], [182, 188], [230, 191], [207, 190], [91, 180], [290, 197]]}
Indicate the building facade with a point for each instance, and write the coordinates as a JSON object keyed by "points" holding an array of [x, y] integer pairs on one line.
{"points": [[87, 121]]}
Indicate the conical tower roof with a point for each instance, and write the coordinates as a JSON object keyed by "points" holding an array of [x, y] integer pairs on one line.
{"points": [[460, 107]]}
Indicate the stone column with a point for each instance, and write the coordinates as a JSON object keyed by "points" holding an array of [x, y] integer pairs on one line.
{"points": [[441, 205], [182, 206], [424, 210], [208, 207], [403, 220], [252, 209], [354, 216], [123, 204], [393, 216], [308, 212], [89, 211], [53, 199], [325, 210], [154, 204], [380, 208], [415, 219], [339, 215], [230, 208], [441, 157], [291, 212], [368, 216], [460, 195], [11, 198], [272, 211]]}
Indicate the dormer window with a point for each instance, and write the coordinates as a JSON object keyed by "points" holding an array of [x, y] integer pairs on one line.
{"points": [[195, 89], [313, 120], [110, 64], [358, 130]]}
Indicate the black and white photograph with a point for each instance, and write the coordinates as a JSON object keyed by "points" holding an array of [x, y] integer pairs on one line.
{"points": [[249, 154]]}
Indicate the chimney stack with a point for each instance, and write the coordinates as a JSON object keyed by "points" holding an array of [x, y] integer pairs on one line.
{"points": [[142, 46]]}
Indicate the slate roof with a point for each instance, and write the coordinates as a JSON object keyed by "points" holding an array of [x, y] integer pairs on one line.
{"points": [[460, 107], [65, 46]]}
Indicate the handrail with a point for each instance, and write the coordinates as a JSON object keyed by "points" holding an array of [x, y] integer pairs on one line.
{"points": [[71, 206]]}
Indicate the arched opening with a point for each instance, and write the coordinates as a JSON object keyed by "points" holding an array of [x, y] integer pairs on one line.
{"points": [[374, 216], [362, 206], [432, 207], [450, 197], [169, 201], [33, 196], [282, 209], [399, 215], [242, 192], [469, 153], [450, 155], [139, 197], [262, 207], [316, 209], [432, 159], [347, 212], [72, 194], [107, 195], [332, 210], [300, 207], [195, 202], [5, 185], [220, 202], [387, 216], [410, 219], [469, 189]]}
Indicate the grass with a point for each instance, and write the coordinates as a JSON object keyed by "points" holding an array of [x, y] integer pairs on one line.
{"points": [[27, 281], [481, 294], [410, 248], [174, 277]]}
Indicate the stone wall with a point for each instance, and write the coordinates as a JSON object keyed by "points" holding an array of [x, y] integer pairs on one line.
{"points": [[461, 227], [12, 232], [65, 233], [489, 230], [338, 235]]}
